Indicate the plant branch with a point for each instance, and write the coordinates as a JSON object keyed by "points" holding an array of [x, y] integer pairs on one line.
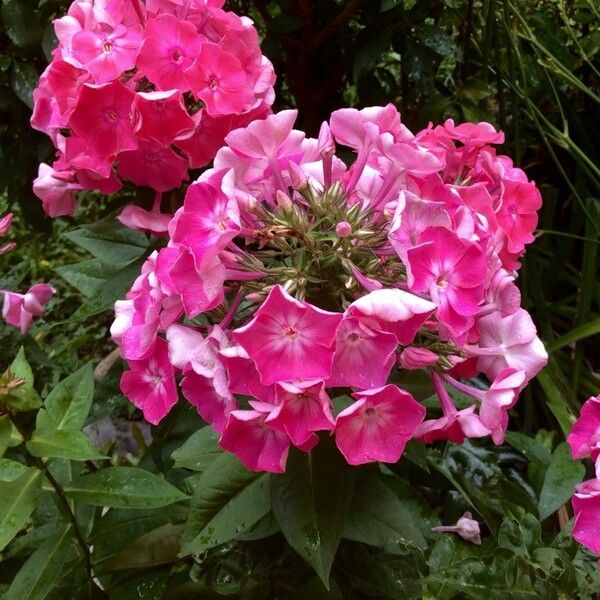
{"points": [[335, 24]]}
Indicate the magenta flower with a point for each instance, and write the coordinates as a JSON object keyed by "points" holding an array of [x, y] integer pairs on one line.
{"points": [[103, 118], [258, 446], [19, 309], [378, 425], [584, 438], [453, 272], [5, 223], [364, 356], [289, 340], [162, 117], [106, 55], [56, 190], [586, 506], [301, 409], [150, 383], [170, 46]]}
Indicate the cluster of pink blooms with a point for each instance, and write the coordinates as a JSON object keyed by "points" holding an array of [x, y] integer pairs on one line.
{"points": [[144, 92], [585, 443], [295, 291], [20, 309]]}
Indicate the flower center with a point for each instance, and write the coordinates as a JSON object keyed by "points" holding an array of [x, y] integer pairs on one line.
{"points": [[177, 55], [213, 84], [107, 47], [112, 116], [290, 332]]}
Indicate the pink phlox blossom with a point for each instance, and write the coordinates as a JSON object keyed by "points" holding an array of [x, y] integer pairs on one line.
{"points": [[586, 506], [20, 309], [584, 438]]}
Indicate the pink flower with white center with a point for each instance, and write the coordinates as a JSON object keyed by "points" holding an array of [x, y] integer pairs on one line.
{"points": [[106, 55], [301, 409], [454, 425], [586, 506], [213, 402], [258, 446], [56, 190], [103, 118], [199, 281], [154, 166], [170, 46], [364, 355], [217, 78], [289, 340], [508, 342], [584, 438], [19, 309], [378, 425], [5, 223], [162, 117], [210, 217], [453, 272], [150, 383], [394, 311]]}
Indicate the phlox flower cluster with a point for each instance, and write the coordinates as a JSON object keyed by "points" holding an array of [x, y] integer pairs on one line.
{"points": [[144, 92], [296, 291], [584, 440], [20, 309]]}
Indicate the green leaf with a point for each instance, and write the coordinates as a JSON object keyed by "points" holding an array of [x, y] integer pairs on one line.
{"points": [[42, 570], [53, 443], [19, 498], [530, 448], [110, 241], [88, 275], [21, 23], [557, 401], [5, 432], [11, 469], [123, 487], [66, 407], [311, 501], [24, 81], [562, 476], [229, 500], [199, 450], [574, 335], [24, 397], [378, 518]]}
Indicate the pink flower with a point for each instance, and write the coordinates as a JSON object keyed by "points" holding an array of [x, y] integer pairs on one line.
{"points": [[394, 311], [301, 409], [586, 506], [584, 438], [107, 54], [508, 342], [162, 117], [518, 213], [170, 46], [150, 383], [452, 271], [289, 340], [153, 165], [413, 358], [19, 309], [364, 355], [213, 404], [102, 117], [153, 221], [479, 134], [258, 446], [210, 218], [378, 425], [5, 223], [56, 190], [217, 78]]}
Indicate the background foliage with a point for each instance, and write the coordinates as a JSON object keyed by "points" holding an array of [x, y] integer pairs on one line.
{"points": [[532, 68]]}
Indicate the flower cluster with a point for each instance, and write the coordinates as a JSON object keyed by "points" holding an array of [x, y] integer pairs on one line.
{"points": [[296, 291], [20, 309], [585, 443], [144, 92]]}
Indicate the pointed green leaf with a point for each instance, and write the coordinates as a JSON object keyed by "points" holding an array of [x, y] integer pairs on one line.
{"points": [[18, 498], [88, 275], [229, 499], [11, 469], [24, 397], [42, 570], [199, 450], [377, 517], [54, 443], [310, 501], [5, 431], [123, 487], [562, 476], [67, 405]]}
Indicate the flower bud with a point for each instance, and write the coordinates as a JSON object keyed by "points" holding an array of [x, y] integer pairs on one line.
{"points": [[413, 358], [5, 223], [283, 201], [343, 229], [297, 176], [466, 527]]}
